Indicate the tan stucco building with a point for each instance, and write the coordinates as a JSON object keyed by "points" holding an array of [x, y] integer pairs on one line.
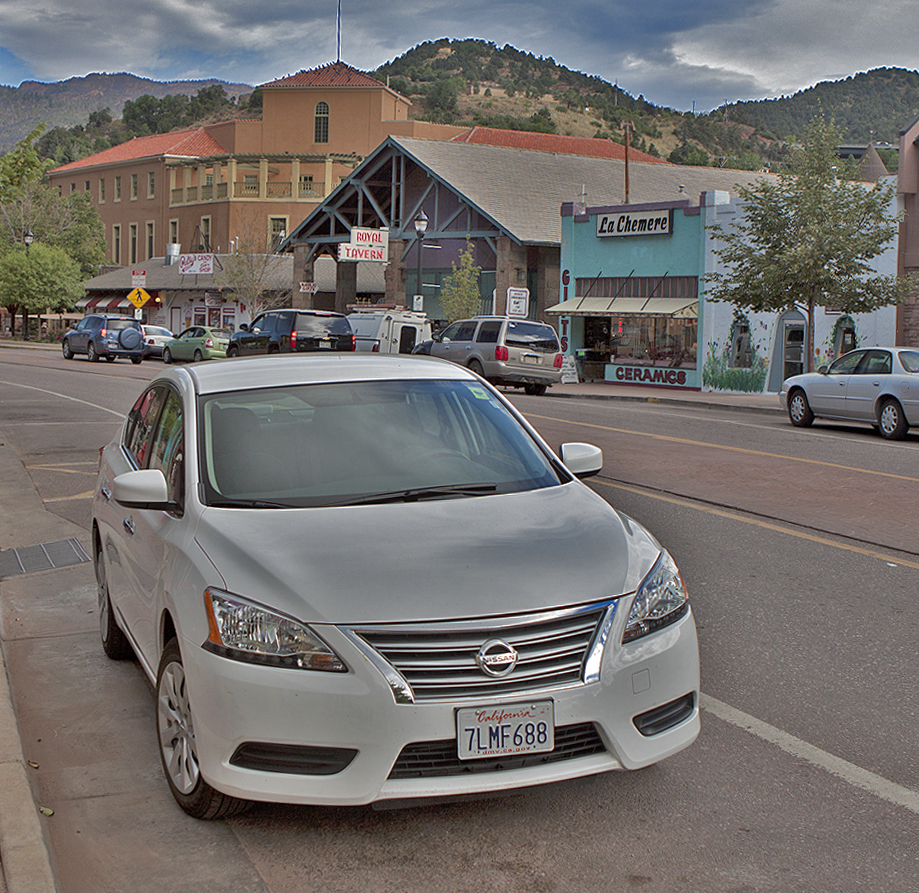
{"points": [[242, 183]]}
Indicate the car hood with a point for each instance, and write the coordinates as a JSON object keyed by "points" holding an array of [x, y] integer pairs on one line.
{"points": [[432, 560]]}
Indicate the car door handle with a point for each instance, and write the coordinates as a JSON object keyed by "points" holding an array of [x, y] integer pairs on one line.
{"points": [[106, 493], [129, 525]]}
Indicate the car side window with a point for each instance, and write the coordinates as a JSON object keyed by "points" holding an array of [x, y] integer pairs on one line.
{"points": [[846, 364], [167, 447], [269, 323], [488, 332], [140, 424], [466, 331], [449, 333], [876, 362]]}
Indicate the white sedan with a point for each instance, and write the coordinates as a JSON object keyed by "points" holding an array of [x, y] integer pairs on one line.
{"points": [[355, 579], [878, 385], [155, 339]]}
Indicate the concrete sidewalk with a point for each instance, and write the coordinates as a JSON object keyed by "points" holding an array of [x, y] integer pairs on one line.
{"points": [[26, 861]]}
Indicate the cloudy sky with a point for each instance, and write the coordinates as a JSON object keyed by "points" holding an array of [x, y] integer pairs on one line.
{"points": [[680, 53]]}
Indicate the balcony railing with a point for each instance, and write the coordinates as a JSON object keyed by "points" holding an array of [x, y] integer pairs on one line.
{"points": [[274, 191]]}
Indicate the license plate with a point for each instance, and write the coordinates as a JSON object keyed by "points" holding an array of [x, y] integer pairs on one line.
{"points": [[534, 360], [325, 345], [506, 730]]}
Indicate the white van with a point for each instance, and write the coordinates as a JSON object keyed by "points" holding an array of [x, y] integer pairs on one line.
{"points": [[389, 331]]}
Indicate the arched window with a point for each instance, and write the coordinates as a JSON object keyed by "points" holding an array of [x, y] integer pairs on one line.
{"points": [[321, 123]]}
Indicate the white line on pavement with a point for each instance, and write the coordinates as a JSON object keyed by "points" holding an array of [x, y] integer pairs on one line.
{"points": [[848, 772], [15, 384]]}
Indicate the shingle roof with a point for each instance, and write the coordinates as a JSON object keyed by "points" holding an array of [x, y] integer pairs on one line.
{"points": [[335, 74], [553, 142], [185, 143], [522, 190]]}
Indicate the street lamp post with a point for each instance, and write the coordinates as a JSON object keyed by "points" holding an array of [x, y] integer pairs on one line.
{"points": [[421, 227], [28, 238]]}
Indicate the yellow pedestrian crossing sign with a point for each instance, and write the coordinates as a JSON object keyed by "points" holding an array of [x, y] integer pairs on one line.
{"points": [[138, 297]]}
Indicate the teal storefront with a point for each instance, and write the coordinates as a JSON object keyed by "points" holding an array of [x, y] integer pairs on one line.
{"points": [[631, 278]]}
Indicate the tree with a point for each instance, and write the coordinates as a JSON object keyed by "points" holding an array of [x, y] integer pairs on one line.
{"points": [[459, 292], [32, 279], [22, 164], [808, 238], [69, 222], [259, 280]]}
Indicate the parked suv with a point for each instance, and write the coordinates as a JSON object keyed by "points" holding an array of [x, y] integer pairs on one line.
{"points": [[99, 335], [515, 353], [286, 331]]}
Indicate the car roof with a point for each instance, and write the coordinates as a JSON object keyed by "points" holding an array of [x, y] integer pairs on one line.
{"points": [[274, 370]]}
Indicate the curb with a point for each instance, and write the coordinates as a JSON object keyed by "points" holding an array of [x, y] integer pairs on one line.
{"points": [[25, 861], [667, 401]]}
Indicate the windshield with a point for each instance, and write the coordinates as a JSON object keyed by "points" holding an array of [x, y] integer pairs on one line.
{"points": [[332, 444]]}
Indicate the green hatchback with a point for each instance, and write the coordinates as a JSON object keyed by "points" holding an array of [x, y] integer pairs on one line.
{"points": [[197, 343]]}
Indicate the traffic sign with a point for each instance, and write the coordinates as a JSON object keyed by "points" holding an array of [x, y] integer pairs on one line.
{"points": [[138, 297], [138, 278]]}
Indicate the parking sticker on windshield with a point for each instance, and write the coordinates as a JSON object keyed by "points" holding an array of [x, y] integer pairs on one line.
{"points": [[479, 393]]}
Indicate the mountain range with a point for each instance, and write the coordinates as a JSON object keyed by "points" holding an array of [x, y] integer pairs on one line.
{"points": [[476, 82]]}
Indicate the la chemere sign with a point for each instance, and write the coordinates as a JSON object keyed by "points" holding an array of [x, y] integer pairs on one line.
{"points": [[635, 223]]}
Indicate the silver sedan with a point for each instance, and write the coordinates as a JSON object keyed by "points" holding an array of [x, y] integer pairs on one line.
{"points": [[363, 578], [878, 385]]}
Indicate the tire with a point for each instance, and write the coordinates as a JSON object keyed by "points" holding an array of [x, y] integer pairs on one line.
{"points": [[167, 355], [130, 339], [891, 421], [115, 643], [65, 347], [175, 734], [137, 360], [476, 366], [91, 354], [232, 352], [198, 357], [109, 359], [799, 411], [535, 390]]}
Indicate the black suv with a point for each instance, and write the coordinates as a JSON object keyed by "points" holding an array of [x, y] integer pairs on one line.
{"points": [[286, 331], [99, 335]]}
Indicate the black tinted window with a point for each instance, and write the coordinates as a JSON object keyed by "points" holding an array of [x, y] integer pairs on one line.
{"points": [[531, 335], [121, 324], [488, 332], [312, 325]]}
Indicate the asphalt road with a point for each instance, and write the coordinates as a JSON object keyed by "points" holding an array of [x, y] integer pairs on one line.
{"points": [[801, 553]]}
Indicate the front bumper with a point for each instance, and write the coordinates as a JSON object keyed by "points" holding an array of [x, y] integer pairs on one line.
{"points": [[236, 704]]}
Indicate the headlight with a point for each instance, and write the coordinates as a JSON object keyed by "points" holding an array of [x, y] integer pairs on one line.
{"points": [[244, 631], [661, 599]]}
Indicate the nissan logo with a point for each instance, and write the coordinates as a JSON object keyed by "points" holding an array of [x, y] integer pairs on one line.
{"points": [[496, 658]]}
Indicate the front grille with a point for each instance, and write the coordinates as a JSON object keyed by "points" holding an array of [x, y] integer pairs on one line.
{"points": [[437, 661], [436, 759]]}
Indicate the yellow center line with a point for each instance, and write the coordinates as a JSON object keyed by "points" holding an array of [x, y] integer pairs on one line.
{"points": [[766, 525], [718, 446], [88, 495]]}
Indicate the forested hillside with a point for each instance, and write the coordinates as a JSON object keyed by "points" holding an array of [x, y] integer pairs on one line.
{"points": [[475, 82]]}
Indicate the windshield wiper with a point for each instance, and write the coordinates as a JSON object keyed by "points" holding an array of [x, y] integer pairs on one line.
{"points": [[249, 504], [417, 493]]}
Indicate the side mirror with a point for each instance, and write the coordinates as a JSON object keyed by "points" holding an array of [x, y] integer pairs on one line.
{"points": [[143, 489], [823, 369], [583, 460], [244, 327]]}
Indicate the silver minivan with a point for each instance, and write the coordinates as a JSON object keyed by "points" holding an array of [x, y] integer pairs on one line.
{"points": [[518, 353]]}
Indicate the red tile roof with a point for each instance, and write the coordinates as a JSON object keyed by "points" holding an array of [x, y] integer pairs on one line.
{"points": [[335, 74], [551, 142], [188, 143]]}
